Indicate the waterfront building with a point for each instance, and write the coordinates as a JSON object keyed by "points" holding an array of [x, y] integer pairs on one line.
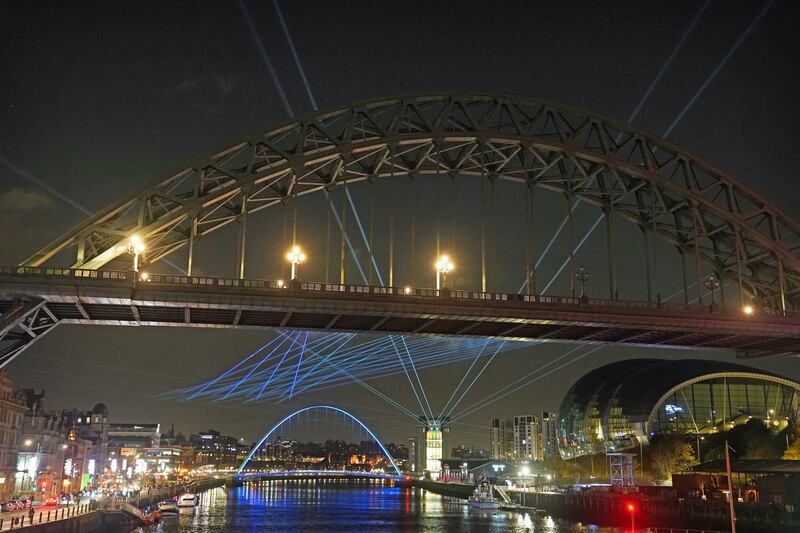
{"points": [[433, 442], [86, 452], [622, 405], [41, 451], [471, 470], [548, 434], [501, 438], [136, 435], [12, 410], [161, 462], [526, 438], [213, 448]]}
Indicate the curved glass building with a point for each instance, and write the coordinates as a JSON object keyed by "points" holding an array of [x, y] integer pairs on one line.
{"points": [[621, 405]]}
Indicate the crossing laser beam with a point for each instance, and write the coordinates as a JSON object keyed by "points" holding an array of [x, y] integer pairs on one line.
{"points": [[692, 24], [262, 51]]}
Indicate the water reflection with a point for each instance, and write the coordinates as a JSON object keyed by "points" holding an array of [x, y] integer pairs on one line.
{"points": [[343, 506]]}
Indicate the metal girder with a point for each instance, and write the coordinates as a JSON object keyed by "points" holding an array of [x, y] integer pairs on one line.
{"points": [[22, 325], [690, 203]]}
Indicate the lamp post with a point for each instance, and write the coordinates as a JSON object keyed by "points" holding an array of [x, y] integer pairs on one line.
{"points": [[632, 512], [295, 257], [135, 247], [582, 276], [712, 284], [443, 266], [35, 474]]}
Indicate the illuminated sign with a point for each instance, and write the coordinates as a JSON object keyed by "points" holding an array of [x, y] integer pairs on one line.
{"points": [[673, 409]]}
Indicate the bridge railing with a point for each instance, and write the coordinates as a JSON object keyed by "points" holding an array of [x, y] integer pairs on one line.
{"points": [[63, 272], [416, 292]]}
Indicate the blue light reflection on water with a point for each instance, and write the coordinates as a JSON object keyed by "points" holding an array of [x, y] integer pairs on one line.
{"points": [[343, 506]]}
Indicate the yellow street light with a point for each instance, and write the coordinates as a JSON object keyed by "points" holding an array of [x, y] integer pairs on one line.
{"points": [[135, 247], [443, 266], [295, 257], [748, 310]]}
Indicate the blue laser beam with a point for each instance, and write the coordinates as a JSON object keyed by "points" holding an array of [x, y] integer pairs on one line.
{"points": [[251, 26], [693, 23], [536, 370], [299, 362], [295, 55], [364, 235], [475, 379], [254, 368], [346, 236], [532, 381], [276, 367], [463, 378], [237, 365]]}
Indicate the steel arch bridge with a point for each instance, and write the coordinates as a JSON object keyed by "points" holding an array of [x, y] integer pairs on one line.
{"points": [[323, 407], [706, 215], [624, 171]]}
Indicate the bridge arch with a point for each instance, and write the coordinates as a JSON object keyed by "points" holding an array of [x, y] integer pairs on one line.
{"points": [[626, 172], [303, 410]]}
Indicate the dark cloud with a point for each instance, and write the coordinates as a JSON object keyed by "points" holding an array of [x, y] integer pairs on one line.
{"points": [[226, 84], [19, 200], [186, 85]]}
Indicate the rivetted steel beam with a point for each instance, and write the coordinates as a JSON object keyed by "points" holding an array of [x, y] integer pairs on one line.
{"points": [[231, 303], [518, 139], [26, 321]]}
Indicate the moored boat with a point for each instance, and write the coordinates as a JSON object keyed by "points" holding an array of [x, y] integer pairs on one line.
{"points": [[482, 497], [188, 500]]}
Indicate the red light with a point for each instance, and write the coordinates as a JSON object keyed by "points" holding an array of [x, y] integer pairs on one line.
{"points": [[631, 508], [408, 478]]}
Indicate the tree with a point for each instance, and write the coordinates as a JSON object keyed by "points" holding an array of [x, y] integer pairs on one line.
{"points": [[793, 452], [670, 454]]}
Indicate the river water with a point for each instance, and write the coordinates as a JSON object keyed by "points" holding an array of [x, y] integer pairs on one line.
{"points": [[343, 506]]}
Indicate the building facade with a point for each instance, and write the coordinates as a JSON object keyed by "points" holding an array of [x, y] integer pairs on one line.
{"points": [[526, 438], [548, 434], [433, 442], [213, 448], [12, 411], [42, 446], [622, 405], [501, 438]]}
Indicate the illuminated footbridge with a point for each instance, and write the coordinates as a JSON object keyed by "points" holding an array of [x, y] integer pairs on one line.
{"points": [[717, 265]]}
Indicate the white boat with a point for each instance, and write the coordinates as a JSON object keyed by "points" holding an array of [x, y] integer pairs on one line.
{"points": [[187, 500], [168, 508], [482, 497]]}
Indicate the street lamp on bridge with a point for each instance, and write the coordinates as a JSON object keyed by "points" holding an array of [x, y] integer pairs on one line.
{"points": [[295, 257], [712, 284], [582, 276], [443, 266], [135, 247]]}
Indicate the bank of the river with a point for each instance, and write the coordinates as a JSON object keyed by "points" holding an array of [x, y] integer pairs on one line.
{"points": [[610, 509]]}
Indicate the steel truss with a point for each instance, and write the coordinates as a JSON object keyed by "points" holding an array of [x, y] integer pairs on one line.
{"points": [[624, 171], [22, 325]]}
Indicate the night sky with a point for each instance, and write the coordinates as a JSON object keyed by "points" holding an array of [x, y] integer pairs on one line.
{"points": [[98, 99]]}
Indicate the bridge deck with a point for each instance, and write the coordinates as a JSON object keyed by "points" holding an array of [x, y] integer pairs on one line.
{"points": [[111, 297]]}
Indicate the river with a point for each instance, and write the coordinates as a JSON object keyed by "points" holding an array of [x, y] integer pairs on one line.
{"points": [[343, 506]]}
